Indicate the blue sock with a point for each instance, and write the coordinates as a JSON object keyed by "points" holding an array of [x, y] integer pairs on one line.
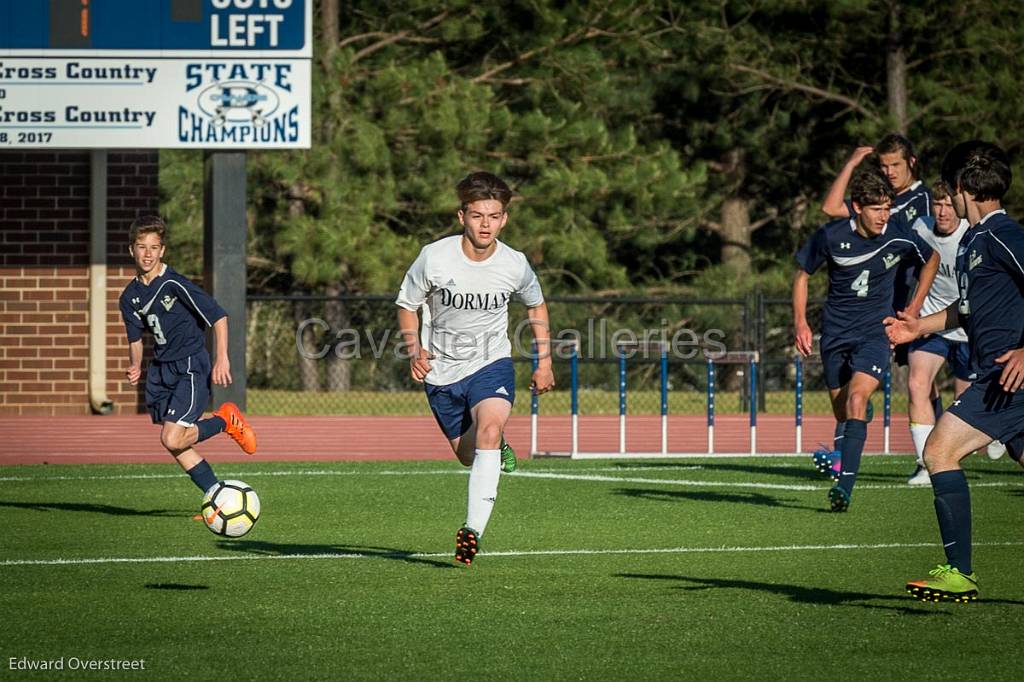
{"points": [[953, 509], [852, 448], [202, 475], [210, 427], [937, 408], [837, 436]]}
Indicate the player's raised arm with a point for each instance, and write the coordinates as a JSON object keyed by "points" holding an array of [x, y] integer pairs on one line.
{"points": [[834, 204], [543, 377]]}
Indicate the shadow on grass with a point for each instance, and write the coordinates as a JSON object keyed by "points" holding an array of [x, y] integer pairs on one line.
{"points": [[179, 587], [263, 548], [801, 594], [90, 508], [791, 472], [759, 499]]}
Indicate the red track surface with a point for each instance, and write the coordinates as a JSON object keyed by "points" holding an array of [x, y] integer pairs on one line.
{"points": [[79, 440]]}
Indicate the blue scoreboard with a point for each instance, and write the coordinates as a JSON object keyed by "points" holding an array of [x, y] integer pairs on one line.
{"points": [[157, 28]]}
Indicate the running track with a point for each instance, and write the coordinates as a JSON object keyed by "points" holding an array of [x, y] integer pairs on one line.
{"points": [[132, 438]]}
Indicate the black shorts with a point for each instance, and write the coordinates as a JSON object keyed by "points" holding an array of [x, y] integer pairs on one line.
{"points": [[841, 357], [178, 391], [991, 410]]}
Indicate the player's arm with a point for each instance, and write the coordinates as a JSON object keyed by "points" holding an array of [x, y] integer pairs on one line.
{"points": [[419, 358], [543, 377], [834, 204], [924, 284], [221, 365], [134, 371], [904, 327], [802, 331]]}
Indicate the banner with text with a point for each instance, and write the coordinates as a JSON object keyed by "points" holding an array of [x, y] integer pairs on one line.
{"points": [[155, 103]]}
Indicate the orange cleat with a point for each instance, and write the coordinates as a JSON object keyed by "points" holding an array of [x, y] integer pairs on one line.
{"points": [[237, 427]]}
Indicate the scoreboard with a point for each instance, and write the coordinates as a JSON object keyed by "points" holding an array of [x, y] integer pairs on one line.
{"points": [[211, 74], [154, 28]]}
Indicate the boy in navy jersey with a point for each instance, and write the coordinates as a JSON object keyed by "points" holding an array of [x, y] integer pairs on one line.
{"points": [[862, 254], [990, 270], [894, 156], [177, 313]]}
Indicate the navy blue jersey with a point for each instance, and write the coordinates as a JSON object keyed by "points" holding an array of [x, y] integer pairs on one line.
{"points": [[908, 206], [174, 310], [991, 279], [861, 273]]}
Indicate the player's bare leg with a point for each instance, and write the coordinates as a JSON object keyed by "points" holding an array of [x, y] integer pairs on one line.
{"points": [[178, 440], [924, 367]]}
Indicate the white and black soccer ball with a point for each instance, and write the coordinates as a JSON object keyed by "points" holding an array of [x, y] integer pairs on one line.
{"points": [[230, 508]]}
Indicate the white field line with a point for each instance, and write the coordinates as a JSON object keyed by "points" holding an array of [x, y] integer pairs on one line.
{"points": [[506, 554], [792, 487]]}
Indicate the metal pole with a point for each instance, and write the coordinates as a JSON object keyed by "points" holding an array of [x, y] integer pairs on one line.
{"points": [[534, 405], [622, 402], [664, 400], [799, 407], [711, 406], [753, 402], [887, 420], [574, 392]]}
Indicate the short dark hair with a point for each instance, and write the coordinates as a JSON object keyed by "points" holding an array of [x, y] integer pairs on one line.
{"points": [[869, 186], [145, 225], [480, 186], [978, 167]]}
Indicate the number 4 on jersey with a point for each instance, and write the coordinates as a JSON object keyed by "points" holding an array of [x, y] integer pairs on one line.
{"points": [[860, 285]]}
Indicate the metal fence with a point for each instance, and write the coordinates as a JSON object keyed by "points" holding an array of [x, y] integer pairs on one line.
{"points": [[343, 355]]}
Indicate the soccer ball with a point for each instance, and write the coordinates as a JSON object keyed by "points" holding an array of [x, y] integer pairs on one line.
{"points": [[230, 508]]}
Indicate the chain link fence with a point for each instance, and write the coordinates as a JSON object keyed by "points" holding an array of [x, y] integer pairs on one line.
{"points": [[343, 355]]}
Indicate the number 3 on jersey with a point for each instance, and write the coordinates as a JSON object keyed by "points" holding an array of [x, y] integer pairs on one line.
{"points": [[860, 285], [154, 324]]}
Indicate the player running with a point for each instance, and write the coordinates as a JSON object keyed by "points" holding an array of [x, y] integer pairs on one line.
{"points": [[177, 313], [990, 268], [862, 254], [466, 282]]}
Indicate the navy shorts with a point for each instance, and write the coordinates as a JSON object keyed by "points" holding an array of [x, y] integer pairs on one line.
{"points": [[991, 410], [451, 404], [840, 358], [179, 390], [956, 353]]}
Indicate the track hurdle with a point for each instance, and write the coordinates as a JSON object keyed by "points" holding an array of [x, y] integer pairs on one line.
{"points": [[750, 360]]}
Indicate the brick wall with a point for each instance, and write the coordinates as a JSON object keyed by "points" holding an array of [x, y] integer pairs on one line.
{"points": [[44, 276]]}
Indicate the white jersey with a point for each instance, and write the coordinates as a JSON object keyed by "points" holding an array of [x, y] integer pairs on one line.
{"points": [[467, 303], [944, 290]]}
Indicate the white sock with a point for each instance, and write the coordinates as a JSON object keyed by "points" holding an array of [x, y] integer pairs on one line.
{"points": [[483, 488], [919, 434]]}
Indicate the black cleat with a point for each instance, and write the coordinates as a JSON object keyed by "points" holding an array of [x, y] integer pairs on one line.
{"points": [[467, 544]]}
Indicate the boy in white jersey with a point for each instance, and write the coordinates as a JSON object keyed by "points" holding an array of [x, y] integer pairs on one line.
{"points": [[466, 282], [942, 231]]}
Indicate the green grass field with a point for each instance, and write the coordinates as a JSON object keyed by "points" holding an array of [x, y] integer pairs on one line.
{"points": [[714, 568]]}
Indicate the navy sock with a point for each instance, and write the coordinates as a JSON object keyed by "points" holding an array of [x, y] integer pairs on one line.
{"points": [[937, 407], [202, 475], [837, 436], [210, 427], [953, 509], [852, 448]]}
